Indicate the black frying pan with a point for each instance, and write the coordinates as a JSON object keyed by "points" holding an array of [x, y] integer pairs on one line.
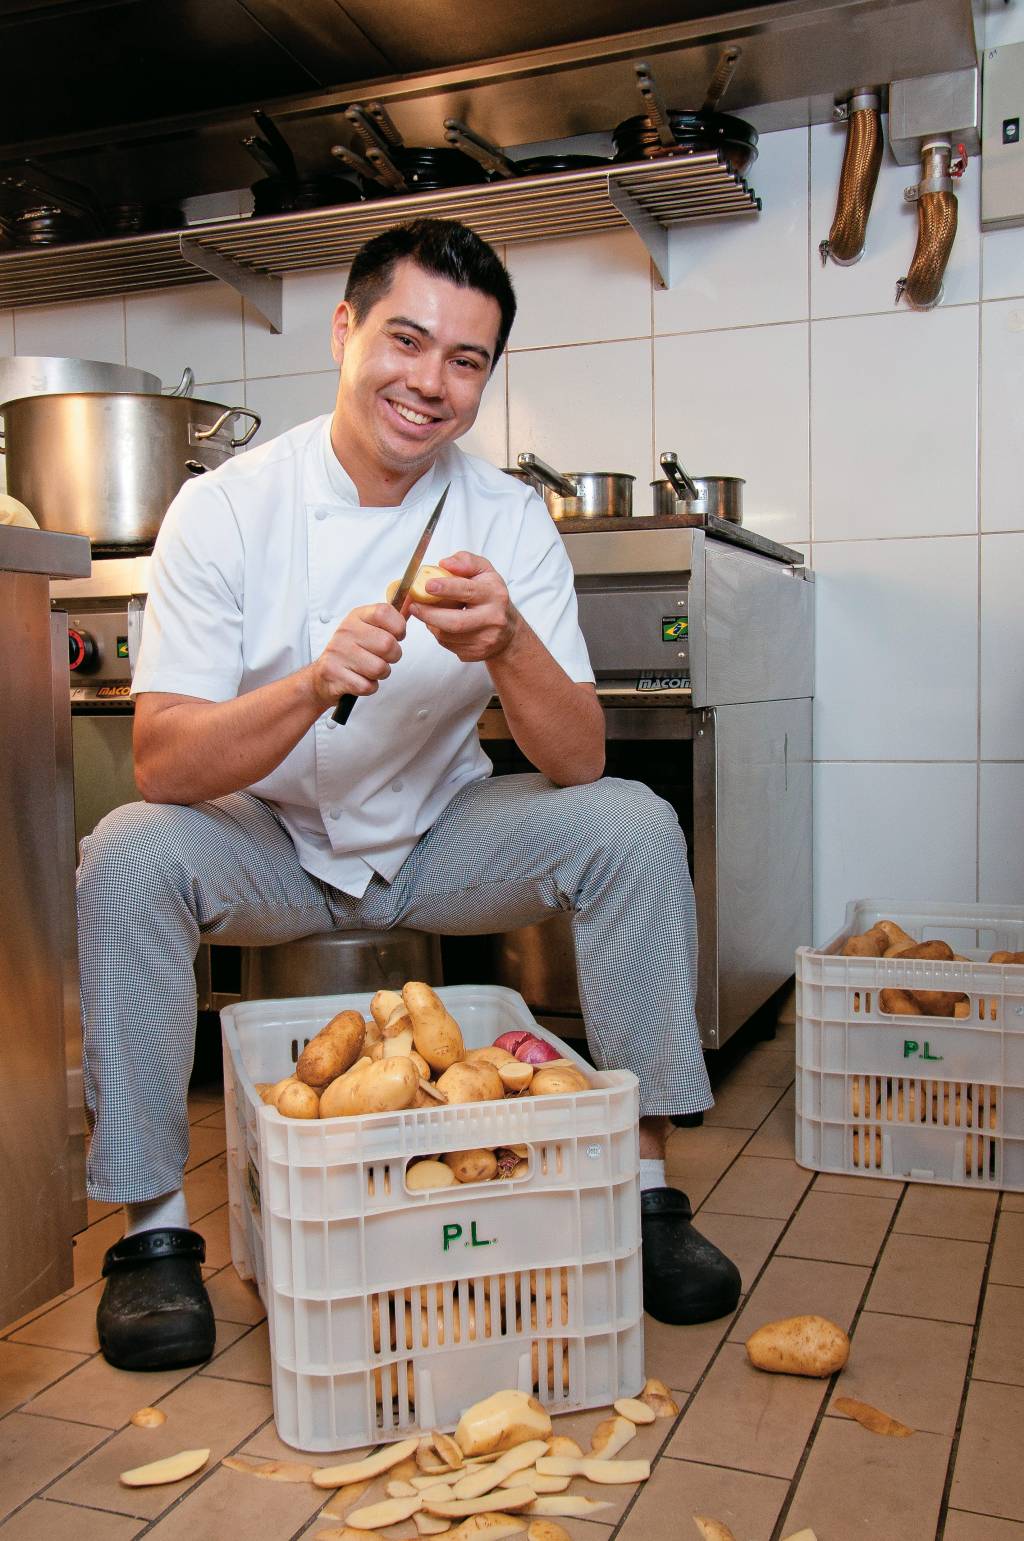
{"points": [[665, 130]]}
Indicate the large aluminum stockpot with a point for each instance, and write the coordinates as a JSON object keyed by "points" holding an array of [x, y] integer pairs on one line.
{"points": [[581, 494], [107, 465], [29, 375]]}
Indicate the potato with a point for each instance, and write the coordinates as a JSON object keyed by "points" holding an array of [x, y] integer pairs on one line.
{"points": [[381, 1086], [936, 1003], [556, 1081], [516, 1077], [605, 1472], [561, 1444], [962, 1009], [173, 1468], [148, 1417], [1007, 957], [870, 944], [429, 1174], [299, 1101], [939, 952], [398, 1045], [436, 1034], [490, 1055], [428, 1095], [398, 1022], [334, 1050], [898, 949], [712, 1530], [422, 1068], [873, 1152], [383, 1004], [457, 1329], [897, 1003], [546, 1530], [470, 1083], [446, 1448], [472, 1166], [488, 1527], [799, 1345], [271, 1095], [894, 932], [500, 1422], [418, 594]]}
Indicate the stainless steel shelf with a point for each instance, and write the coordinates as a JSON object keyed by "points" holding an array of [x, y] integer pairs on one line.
{"points": [[252, 254]]}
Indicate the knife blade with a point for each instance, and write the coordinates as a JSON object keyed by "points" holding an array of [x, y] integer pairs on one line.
{"points": [[343, 710]]}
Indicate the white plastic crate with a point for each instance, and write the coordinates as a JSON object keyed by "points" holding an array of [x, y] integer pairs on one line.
{"points": [[922, 1099], [340, 1248]]}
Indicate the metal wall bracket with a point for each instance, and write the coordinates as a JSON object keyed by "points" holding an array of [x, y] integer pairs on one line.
{"points": [[263, 291], [653, 234]]}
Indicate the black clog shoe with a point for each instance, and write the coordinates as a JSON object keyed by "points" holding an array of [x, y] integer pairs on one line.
{"points": [[154, 1313], [686, 1278]]}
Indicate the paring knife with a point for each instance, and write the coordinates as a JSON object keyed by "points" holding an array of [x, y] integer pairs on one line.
{"points": [[343, 710]]}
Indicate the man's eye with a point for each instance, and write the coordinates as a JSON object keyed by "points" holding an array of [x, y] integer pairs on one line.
{"points": [[404, 340], [468, 363]]}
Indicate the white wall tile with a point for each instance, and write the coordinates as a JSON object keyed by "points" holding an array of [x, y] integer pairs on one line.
{"points": [[870, 284], [588, 289], [1002, 417], [891, 831], [1001, 857], [91, 329], [488, 436], [896, 629], [736, 404], [740, 272], [1002, 647], [1003, 23], [284, 401], [1002, 263], [199, 325], [6, 333], [304, 344], [894, 425], [585, 409]]}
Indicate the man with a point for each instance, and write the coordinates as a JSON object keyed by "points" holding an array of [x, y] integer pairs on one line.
{"points": [[264, 821]]}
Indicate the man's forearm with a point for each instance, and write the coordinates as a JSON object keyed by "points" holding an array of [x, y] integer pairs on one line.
{"points": [[189, 751], [556, 722]]}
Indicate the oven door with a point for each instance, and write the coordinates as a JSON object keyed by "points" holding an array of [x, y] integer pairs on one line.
{"points": [[101, 741]]}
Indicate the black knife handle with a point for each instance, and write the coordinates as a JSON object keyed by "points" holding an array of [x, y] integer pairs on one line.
{"points": [[343, 711]]}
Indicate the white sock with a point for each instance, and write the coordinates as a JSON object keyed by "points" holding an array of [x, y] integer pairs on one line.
{"points": [[652, 1174], [168, 1212]]}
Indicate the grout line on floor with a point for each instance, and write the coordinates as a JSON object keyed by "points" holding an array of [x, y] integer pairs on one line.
{"points": [[968, 1379]]}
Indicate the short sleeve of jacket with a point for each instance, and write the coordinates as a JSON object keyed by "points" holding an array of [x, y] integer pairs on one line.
{"points": [[192, 633], [541, 588]]}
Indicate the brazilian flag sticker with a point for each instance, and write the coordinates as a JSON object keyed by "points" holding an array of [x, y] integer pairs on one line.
{"points": [[673, 627]]}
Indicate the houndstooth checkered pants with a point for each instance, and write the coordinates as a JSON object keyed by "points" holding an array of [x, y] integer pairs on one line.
{"points": [[156, 879]]}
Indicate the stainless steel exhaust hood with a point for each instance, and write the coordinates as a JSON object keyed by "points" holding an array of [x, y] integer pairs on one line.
{"points": [[141, 101]]}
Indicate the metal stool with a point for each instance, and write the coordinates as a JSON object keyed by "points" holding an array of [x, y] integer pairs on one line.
{"points": [[340, 963]]}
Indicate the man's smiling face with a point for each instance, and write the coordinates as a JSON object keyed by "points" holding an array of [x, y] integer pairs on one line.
{"points": [[412, 371]]}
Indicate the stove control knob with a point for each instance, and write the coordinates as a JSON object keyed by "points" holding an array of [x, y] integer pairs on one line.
{"points": [[83, 654]]}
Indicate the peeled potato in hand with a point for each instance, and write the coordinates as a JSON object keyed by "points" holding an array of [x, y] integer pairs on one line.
{"points": [[418, 592]]}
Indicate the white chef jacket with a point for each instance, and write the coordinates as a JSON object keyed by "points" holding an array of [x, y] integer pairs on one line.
{"points": [[255, 566]]}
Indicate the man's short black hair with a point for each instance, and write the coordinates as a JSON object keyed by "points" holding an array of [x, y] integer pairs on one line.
{"points": [[441, 246]]}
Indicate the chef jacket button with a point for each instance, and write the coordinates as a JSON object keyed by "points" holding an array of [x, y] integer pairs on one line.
{"points": [[334, 813], [423, 712], [324, 618], [396, 786], [321, 513]]}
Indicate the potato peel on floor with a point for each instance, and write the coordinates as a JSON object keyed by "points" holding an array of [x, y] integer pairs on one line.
{"points": [[871, 1418], [271, 1471], [345, 1499], [712, 1530]]}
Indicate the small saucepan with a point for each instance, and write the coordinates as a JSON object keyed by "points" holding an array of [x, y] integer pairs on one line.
{"points": [[581, 494], [697, 496]]}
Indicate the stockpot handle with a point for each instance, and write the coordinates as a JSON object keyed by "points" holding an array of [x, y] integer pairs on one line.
{"points": [[185, 385], [563, 485], [207, 433], [685, 488]]}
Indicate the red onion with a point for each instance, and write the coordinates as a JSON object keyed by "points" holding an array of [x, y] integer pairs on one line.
{"points": [[511, 1042], [536, 1052]]}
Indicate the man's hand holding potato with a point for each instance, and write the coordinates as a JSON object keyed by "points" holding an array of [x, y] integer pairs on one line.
{"points": [[469, 610]]}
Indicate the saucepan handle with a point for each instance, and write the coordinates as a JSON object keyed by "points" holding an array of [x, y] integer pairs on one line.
{"points": [[684, 486], [563, 485]]}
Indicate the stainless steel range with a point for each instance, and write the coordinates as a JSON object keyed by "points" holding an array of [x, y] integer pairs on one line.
{"points": [[702, 643]]}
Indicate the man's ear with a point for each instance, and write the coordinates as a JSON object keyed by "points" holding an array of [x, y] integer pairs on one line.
{"points": [[341, 324]]}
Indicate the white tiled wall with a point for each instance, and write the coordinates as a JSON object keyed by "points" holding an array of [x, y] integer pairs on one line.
{"points": [[888, 445]]}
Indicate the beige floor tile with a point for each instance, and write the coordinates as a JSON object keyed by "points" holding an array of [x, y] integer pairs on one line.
{"points": [[912, 1370], [748, 1504], [747, 1239], [269, 1446], [768, 1064], [838, 1228], [953, 1212], [212, 1120], [200, 1413], [1000, 1352], [25, 1369], [961, 1526], [230, 1503], [91, 1246], [743, 1418], [680, 1355], [204, 1143], [741, 1107], [1008, 1252], [33, 1454], [757, 1186], [69, 1324], [928, 1276], [246, 1360], [989, 1474], [202, 1105], [97, 1211], [215, 1231], [234, 1299], [792, 1286], [696, 1158], [98, 1394], [1014, 1202], [206, 1187], [776, 1135], [860, 1485], [834, 1182], [43, 1520]]}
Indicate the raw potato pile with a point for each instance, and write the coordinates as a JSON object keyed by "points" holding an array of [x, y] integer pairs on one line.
{"points": [[411, 1055], [887, 939], [934, 1104]]}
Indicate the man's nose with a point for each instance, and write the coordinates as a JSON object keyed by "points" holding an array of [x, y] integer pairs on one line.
{"points": [[425, 373]]}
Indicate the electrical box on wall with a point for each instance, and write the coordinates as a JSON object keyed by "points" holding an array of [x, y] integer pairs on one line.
{"points": [[1002, 153]]}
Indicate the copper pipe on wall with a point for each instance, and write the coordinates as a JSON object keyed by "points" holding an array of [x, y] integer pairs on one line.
{"points": [[936, 227], [861, 161]]}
